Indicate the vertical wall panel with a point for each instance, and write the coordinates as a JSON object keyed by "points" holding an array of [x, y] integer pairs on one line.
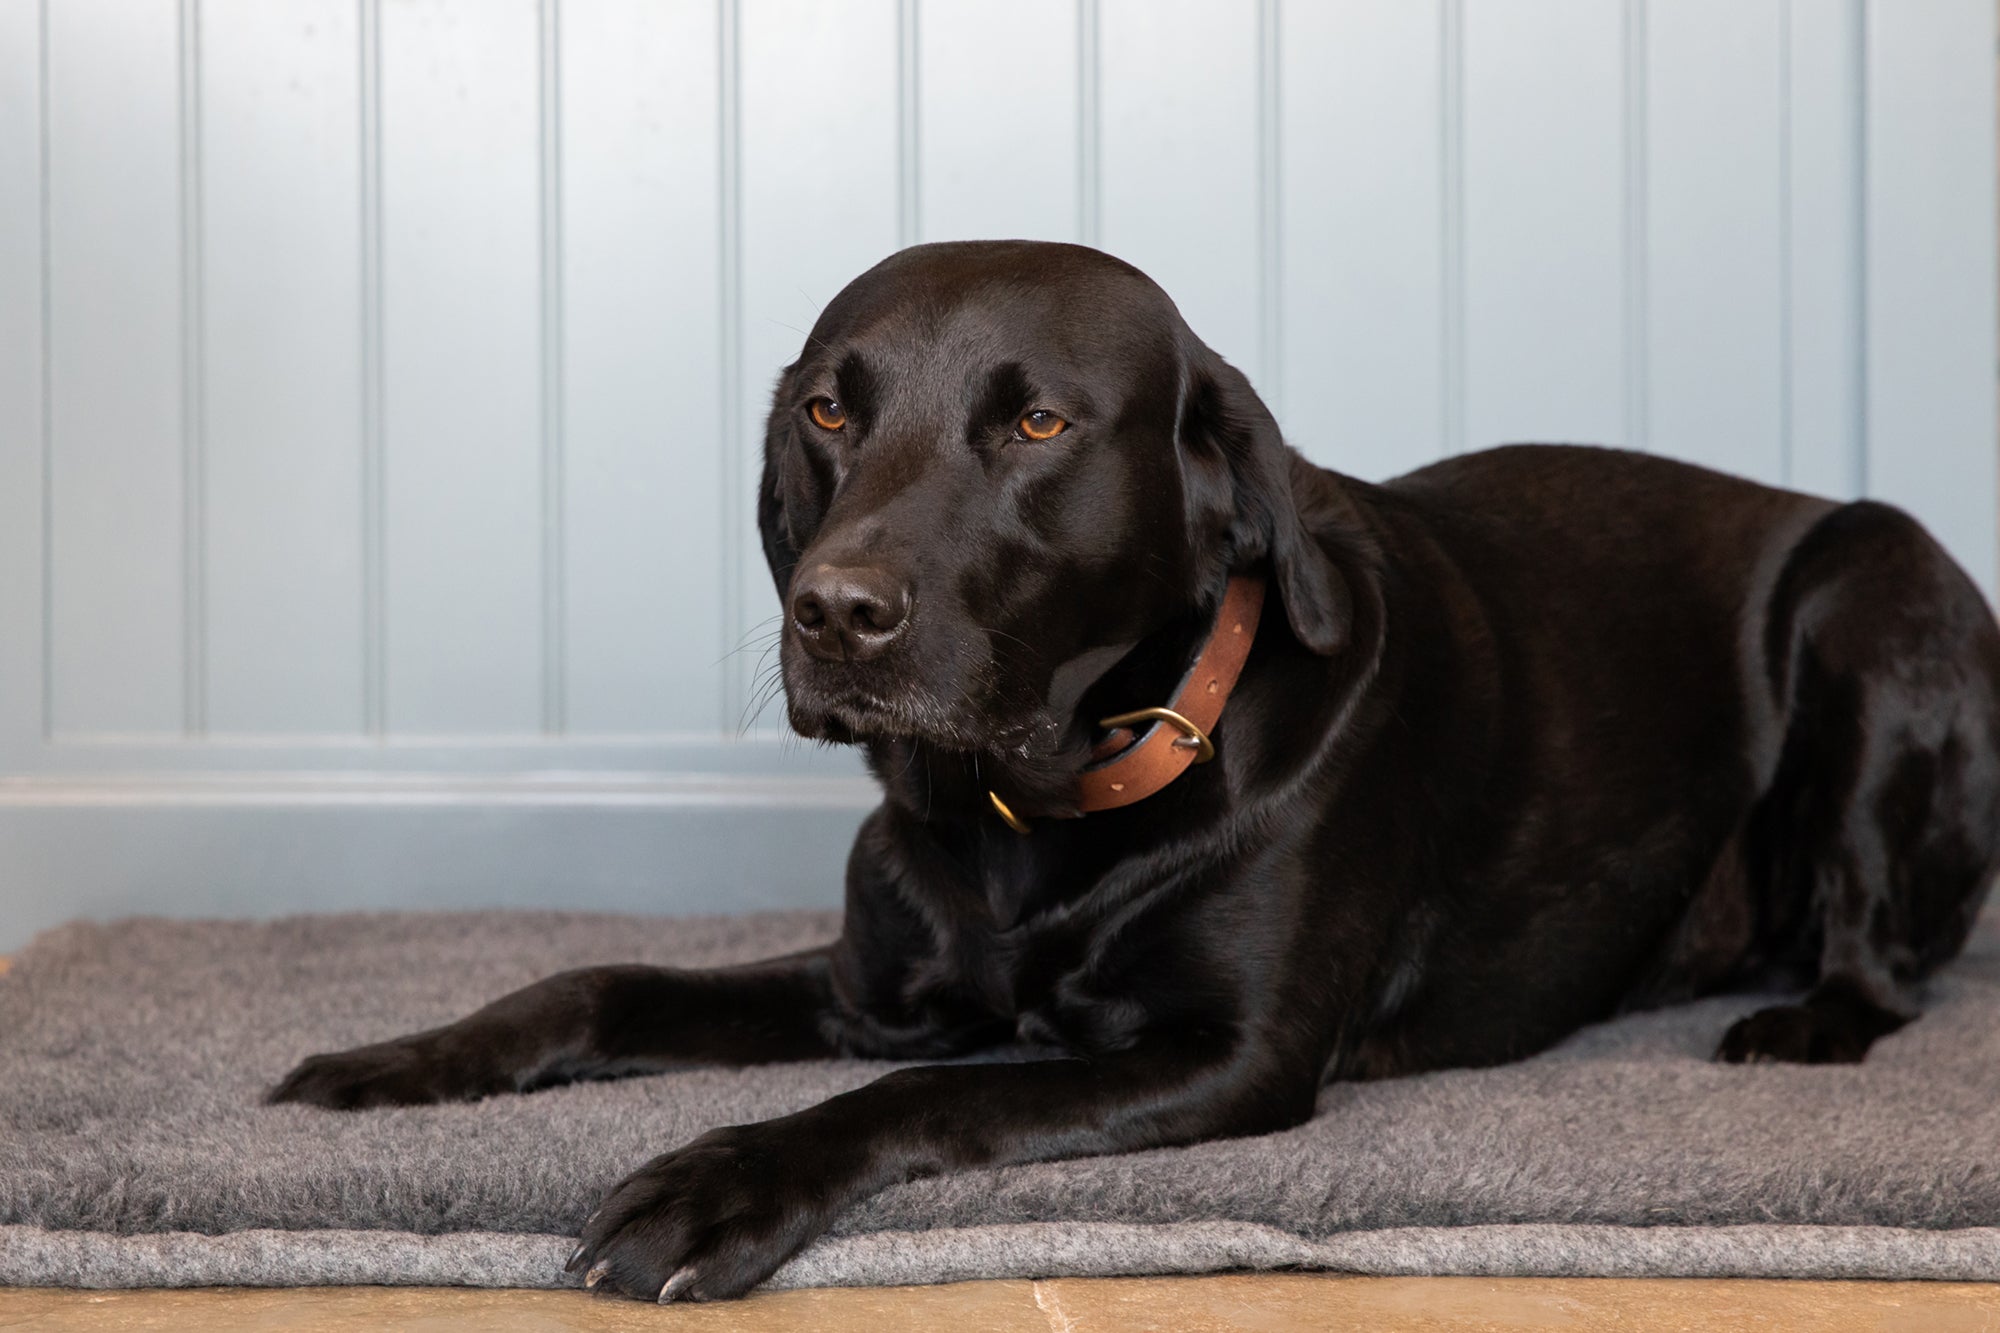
{"points": [[1931, 282], [819, 190], [1659, 217], [1715, 185], [1179, 186], [281, 307], [1363, 233], [997, 122], [642, 432], [116, 365], [1545, 218], [21, 366], [461, 246], [1823, 258], [406, 361]]}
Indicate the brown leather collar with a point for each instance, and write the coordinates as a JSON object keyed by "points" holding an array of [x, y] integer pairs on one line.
{"points": [[1146, 750]]}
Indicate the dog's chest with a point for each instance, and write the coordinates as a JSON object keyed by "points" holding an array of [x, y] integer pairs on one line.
{"points": [[1042, 975], [1032, 945]]}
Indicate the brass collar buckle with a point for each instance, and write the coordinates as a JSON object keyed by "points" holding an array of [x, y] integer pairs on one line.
{"points": [[1191, 738], [1008, 817]]}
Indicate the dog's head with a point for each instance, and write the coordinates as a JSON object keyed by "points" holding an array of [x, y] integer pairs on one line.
{"points": [[997, 467]]}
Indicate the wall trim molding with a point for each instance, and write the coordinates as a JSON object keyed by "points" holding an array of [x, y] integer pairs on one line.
{"points": [[388, 789], [101, 849], [82, 758]]}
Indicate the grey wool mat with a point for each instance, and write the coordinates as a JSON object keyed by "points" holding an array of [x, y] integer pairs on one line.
{"points": [[134, 1149]]}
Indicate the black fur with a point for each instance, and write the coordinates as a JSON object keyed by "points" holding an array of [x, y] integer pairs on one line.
{"points": [[1528, 737]]}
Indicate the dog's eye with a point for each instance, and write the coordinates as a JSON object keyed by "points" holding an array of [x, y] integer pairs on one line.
{"points": [[1039, 425], [827, 414]]}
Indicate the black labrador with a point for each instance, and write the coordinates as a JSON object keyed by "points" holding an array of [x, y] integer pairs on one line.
{"points": [[1521, 740]]}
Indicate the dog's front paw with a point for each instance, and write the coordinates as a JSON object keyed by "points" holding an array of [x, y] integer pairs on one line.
{"points": [[410, 1071], [712, 1219]]}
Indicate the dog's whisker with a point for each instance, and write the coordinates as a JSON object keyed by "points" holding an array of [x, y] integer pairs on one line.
{"points": [[755, 710], [817, 305], [763, 645], [769, 686], [985, 629], [819, 342]]}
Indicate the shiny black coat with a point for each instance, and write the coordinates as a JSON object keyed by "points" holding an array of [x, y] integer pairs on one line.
{"points": [[1527, 737]]}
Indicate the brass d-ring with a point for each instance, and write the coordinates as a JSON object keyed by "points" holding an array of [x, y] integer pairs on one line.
{"points": [[1191, 738], [1013, 821]]}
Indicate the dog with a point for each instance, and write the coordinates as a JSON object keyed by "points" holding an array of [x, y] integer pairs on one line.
{"points": [[1210, 776]]}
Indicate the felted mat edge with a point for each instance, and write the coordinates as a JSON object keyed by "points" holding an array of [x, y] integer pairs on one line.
{"points": [[36, 1256]]}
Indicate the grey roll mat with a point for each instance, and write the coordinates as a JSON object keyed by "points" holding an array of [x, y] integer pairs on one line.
{"points": [[134, 1150]]}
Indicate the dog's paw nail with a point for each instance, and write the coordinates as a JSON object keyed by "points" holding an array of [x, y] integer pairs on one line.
{"points": [[576, 1258], [596, 1274], [676, 1285]]}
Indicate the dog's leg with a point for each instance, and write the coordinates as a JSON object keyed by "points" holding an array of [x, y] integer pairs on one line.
{"points": [[717, 1216], [596, 1022], [1881, 823]]}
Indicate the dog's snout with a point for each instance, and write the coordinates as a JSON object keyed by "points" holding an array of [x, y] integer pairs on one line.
{"points": [[849, 614]]}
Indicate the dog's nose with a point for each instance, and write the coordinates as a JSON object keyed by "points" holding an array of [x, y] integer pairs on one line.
{"points": [[849, 615]]}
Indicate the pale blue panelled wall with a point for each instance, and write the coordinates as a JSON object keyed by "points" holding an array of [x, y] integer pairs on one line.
{"points": [[381, 381]]}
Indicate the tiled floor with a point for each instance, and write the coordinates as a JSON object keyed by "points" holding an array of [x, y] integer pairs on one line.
{"points": [[1182, 1305]]}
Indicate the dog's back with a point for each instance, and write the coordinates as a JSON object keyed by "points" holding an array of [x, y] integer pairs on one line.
{"points": [[1733, 731]]}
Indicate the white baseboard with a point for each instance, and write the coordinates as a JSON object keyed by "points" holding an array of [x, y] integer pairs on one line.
{"points": [[251, 845]]}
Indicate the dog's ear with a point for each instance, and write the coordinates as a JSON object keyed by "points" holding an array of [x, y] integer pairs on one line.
{"points": [[790, 502], [1240, 478]]}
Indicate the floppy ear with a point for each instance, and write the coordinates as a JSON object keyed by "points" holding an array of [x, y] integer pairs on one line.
{"points": [[790, 503], [1241, 471]]}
